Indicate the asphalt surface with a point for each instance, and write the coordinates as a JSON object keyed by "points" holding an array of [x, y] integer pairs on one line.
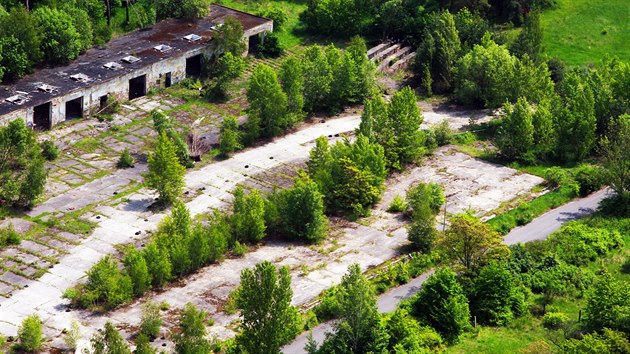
{"points": [[537, 229]]}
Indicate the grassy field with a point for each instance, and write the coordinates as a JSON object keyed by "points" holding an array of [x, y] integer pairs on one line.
{"points": [[584, 31], [292, 33]]}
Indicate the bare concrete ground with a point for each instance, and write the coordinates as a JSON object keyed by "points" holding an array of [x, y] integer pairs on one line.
{"points": [[314, 269]]}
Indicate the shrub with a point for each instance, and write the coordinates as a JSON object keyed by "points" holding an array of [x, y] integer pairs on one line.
{"points": [[270, 47], [50, 151], [329, 306], [397, 205], [30, 334], [442, 133], [151, 321], [125, 160], [8, 236], [239, 249], [466, 138], [589, 178], [554, 320]]}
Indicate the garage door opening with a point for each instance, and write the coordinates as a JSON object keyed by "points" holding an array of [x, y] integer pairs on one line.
{"points": [[102, 102], [254, 42], [193, 66], [168, 80], [137, 87], [74, 108], [41, 116]]}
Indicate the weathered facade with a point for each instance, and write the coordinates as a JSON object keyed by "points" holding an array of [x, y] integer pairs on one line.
{"points": [[127, 67]]}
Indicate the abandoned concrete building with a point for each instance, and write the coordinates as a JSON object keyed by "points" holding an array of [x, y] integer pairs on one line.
{"points": [[127, 67]]}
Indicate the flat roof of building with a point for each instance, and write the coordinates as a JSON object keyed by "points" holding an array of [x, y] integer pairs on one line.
{"points": [[167, 39]]}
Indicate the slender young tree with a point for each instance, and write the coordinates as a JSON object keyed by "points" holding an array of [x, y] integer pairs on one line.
{"points": [[516, 134], [264, 298], [267, 101], [191, 338], [166, 174]]}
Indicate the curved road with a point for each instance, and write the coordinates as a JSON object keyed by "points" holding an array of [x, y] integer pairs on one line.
{"points": [[537, 229]]}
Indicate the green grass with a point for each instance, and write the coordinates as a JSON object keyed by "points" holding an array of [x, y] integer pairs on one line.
{"points": [[526, 212], [292, 34], [584, 31], [500, 340]]}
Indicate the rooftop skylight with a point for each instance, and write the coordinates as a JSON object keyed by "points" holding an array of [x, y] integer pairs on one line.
{"points": [[112, 66], [192, 37], [130, 59], [162, 48], [80, 77]]}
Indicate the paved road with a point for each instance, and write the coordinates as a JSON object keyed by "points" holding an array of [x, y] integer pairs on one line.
{"points": [[538, 229]]}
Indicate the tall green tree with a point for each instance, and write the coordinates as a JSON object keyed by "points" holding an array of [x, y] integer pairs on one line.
{"points": [[150, 321], [441, 304], [267, 101], [264, 298], [515, 137], [106, 285], [229, 38], [359, 328], [615, 150], [21, 25], [318, 78], [182, 9], [544, 130], [422, 231], [14, 62], [165, 175], [496, 298], [406, 118], [228, 67], [158, 264], [191, 338], [472, 243], [248, 219], [229, 136], [292, 81], [574, 115], [164, 124], [529, 40], [136, 268], [301, 211], [438, 52], [608, 304], [60, 41], [109, 341]]}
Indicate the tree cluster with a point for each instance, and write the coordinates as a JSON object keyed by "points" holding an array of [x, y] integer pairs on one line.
{"points": [[181, 246], [56, 32]]}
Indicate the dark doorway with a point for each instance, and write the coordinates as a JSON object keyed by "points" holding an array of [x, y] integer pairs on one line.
{"points": [[253, 43], [74, 108], [41, 116], [137, 87], [193, 66], [103, 101], [167, 80]]}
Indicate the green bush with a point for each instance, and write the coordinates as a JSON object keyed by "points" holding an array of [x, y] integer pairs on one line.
{"points": [[329, 306], [397, 205], [589, 178], [442, 133], [8, 236], [125, 160], [577, 243], [50, 151], [30, 334], [554, 320], [239, 249], [466, 138]]}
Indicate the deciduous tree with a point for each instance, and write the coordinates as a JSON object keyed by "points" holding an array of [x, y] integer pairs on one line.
{"points": [[267, 101], [191, 338], [472, 243], [108, 341], [166, 174], [442, 305], [30, 334], [515, 137], [264, 298], [60, 41], [248, 219], [615, 149], [229, 138]]}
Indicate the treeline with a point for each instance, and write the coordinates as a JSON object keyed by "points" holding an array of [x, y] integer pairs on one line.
{"points": [[56, 32], [320, 79], [405, 19], [181, 246]]}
